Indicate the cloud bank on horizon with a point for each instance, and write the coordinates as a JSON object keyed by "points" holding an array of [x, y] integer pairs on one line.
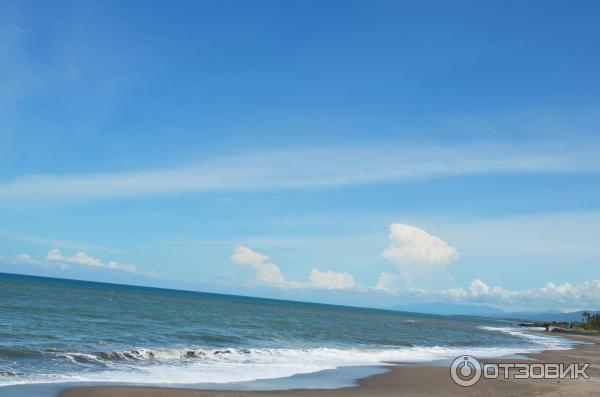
{"points": [[417, 256]]}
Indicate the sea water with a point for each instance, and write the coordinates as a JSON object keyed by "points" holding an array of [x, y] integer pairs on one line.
{"points": [[55, 331]]}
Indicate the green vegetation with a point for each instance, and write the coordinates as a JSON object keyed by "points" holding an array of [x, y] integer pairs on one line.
{"points": [[590, 321]]}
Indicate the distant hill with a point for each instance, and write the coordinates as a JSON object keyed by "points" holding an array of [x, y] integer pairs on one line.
{"points": [[449, 309], [549, 316]]}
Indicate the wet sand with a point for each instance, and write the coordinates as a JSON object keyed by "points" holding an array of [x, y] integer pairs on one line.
{"points": [[414, 381]]}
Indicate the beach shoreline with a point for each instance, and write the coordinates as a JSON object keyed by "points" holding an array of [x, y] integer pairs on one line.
{"points": [[411, 380]]}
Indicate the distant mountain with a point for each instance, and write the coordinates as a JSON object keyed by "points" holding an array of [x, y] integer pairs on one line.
{"points": [[452, 309], [549, 316], [449, 309]]}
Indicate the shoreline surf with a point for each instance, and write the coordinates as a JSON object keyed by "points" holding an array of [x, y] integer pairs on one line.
{"points": [[341, 377], [409, 380], [95, 334], [235, 365]]}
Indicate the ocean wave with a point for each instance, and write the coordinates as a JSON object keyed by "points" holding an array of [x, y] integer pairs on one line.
{"points": [[350, 356], [548, 342], [16, 352], [194, 366]]}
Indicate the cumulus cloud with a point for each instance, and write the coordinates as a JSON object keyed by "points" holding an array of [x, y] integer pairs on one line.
{"points": [[420, 258], [247, 257], [410, 244], [331, 280], [418, 245], [565, 296], [265, 272], [121, 266], [269, 273], [388, 282], [81, 258]]}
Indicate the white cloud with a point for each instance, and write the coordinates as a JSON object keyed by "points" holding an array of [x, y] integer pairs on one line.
{"points": [[409, 245], [562, 296], [321, 168], [25, 258], [388, 282], [270, 274], [478, 287], [248, 257], [121, 266], [81, 258], [265, 272], [331, 280], [20, 259], [419, 257], [53, 242], [551, 296]]}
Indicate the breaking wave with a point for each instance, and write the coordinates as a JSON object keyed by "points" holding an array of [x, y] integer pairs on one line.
{"points": [[200, 366], [548, 342]]}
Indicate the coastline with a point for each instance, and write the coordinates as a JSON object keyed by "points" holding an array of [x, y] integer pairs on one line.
{"points": [[411, 380]]}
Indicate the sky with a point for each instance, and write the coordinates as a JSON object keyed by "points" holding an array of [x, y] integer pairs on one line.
{"points": [[378, 153]]}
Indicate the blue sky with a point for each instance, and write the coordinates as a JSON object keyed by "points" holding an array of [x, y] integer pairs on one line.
{"points": [[161, 138]]}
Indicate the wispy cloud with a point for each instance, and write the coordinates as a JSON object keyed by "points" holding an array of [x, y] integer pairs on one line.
{"points": [[54, 242], [17, 79], [318, 168], [20, 259]]}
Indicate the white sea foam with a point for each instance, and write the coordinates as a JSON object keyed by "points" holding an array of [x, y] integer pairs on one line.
{"points": [[193, 366], [546, 342]]}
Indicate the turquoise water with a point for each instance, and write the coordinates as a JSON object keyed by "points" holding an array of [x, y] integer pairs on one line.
{"points": [[54, 330]]}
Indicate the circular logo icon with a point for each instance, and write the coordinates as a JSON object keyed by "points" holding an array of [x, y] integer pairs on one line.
{"points": [[465, 370]]}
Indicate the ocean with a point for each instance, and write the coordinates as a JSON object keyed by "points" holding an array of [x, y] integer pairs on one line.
{"points": [[55, 331]]}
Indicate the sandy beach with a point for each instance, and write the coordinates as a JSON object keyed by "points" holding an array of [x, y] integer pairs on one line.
{"points": [[415, 381]]}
